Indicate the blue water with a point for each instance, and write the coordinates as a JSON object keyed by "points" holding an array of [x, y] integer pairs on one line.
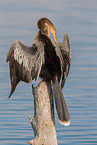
{"points": [[78, 18]]}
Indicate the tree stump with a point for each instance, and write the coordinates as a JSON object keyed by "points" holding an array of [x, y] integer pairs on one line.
{"points": [[43, 122]]}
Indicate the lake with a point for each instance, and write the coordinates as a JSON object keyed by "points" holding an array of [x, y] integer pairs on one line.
{"points": [[78, 18]]}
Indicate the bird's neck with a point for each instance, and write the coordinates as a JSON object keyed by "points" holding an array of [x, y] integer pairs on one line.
{"points": [[39, 36], [45, 32]]}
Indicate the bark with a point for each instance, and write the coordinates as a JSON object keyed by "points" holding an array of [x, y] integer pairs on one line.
{"points": [[43, 122]]}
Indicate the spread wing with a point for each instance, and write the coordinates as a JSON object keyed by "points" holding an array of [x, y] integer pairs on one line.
{"points": [[25, 63], [65, 49]]}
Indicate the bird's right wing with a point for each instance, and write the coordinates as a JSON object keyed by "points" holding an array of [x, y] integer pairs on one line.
{"points": [[25, 62], [65, 49]]}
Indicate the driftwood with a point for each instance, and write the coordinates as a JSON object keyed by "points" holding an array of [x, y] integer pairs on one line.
{"points": [[43, 122]]}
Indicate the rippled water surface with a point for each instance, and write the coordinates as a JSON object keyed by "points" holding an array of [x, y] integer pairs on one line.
{"points": [[78, 18]]}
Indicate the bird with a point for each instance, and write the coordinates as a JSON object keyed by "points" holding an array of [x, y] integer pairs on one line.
{"points": [[46, 59]]}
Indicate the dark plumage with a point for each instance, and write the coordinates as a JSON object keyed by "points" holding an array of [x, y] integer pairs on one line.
{"points": [[45, 59]]}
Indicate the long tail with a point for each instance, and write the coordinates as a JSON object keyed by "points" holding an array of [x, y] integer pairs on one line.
{"points": [[62, 110]]}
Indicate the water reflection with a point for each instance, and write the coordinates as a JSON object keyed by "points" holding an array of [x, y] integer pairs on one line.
{"points": [[18, 21]]}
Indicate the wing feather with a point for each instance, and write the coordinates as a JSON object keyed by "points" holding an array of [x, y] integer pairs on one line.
{"points": [[65, 49], [25, 62]]}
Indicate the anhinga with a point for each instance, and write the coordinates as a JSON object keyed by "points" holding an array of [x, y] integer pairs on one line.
{"points": [[46, 59]]}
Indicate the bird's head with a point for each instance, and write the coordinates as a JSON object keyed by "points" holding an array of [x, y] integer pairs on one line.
{"points": [[45, 26]]}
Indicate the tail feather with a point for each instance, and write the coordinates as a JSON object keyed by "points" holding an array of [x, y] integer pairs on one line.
{"points": [[62, 110]]}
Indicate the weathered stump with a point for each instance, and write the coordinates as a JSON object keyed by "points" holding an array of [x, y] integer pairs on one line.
{"points": [[43, 122]]}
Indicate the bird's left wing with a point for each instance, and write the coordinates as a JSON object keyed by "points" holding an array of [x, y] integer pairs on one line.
{"points": [[25, 62]]}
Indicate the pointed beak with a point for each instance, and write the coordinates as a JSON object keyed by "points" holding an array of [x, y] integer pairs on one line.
{"points": [[55, 38]]}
